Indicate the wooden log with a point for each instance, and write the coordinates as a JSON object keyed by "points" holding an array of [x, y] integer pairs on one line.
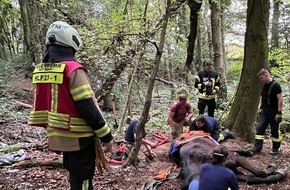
{"points": [[23, 104]]}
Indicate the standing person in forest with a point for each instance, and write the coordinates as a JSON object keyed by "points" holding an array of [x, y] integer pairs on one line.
{"points": [[65, 105], [208, 83], [271, 113], [179, 115]]}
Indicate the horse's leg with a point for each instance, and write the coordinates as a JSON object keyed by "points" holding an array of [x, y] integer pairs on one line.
{"points": [[242, 162], [274, 178]]}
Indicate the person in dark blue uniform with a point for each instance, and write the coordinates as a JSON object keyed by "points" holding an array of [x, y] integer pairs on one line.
{"points": [[210, 125], [130, 138], [215, 175]]}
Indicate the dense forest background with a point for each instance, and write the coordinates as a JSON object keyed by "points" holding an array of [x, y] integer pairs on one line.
{"points": [[142, 49], [139, 55]]}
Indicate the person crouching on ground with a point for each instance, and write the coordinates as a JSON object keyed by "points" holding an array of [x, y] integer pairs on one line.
{"points": [[215, 175], [179, 115], [210, 125], [130, 138]]}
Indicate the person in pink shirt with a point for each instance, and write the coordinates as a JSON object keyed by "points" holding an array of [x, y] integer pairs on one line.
{"points": [[179, 115]]}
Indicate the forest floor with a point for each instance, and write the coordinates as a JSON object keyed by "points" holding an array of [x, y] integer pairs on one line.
{"points": [[44, 170]]}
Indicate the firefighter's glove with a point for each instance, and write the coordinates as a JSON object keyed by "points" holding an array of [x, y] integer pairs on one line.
{"points": [[278, 117]]}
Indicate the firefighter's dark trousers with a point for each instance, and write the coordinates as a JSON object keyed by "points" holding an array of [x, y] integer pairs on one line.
{"points": [[267, 116], [211, 105], [81, 166]]}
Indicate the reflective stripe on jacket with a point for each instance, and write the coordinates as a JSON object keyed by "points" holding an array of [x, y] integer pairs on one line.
{"points": [[203, 76], [54, 101]]}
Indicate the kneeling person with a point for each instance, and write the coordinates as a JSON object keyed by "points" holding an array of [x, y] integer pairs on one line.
{"points": [[224, 178], [130, 138], [210, 125]]}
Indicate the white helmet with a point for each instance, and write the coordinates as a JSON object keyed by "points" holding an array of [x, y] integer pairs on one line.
{"points": [[63, 34]]}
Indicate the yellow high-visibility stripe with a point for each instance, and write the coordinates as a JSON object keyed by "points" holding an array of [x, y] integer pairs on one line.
{"points": [[75, 90], [58, 116], [80, 128], [85, 185], [37, 117], [32, 121], [42, 113], [199, 86], [103, 131], [61, 133], [276, 140], [58, 120], [81, 92], [221, 137], [206, 97], [259, 137], [54, 97], [58, 124], [77, 121], [79, 125]]}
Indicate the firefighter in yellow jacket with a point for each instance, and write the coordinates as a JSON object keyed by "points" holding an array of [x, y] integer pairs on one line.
{"points": [[208, 84], [65, 105]]}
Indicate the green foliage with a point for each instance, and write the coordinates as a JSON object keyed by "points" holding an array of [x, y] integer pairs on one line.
{"points": [[5, 2], [281, 69], [234, 70]]}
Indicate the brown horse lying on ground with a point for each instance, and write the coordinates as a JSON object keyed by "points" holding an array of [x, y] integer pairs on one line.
{"points": [[191, 152]]}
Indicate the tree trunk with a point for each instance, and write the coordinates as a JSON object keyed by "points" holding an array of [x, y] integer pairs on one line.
{"points": [[194, 9], [216, 29], [2, 49], [26, 27], [243, 112], [181, 22], [134, 152], [145, 12], [169, 69], [217, 37], [223, 38], [114, 76], [275, 25], [198, 62], [208, 31]]}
